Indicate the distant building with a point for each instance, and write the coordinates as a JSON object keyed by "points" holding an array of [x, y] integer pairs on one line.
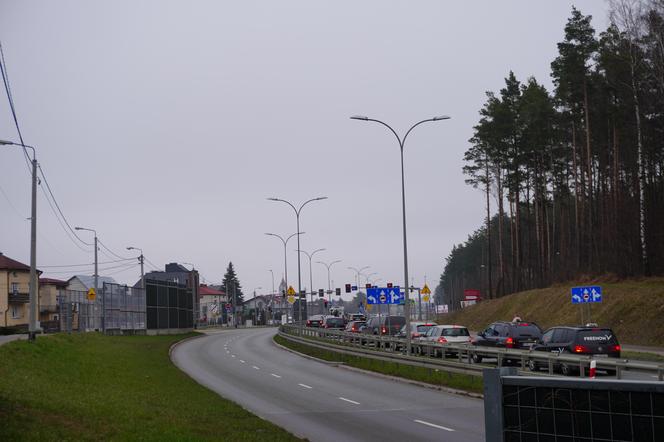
{"points": [[212, 303], [179, 274], [48, 298], [14, 292], [83, 283]]}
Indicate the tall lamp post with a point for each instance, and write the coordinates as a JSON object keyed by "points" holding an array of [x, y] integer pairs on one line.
{"points": [[358, 272], [141, 259], [402, 141], [285, 242], [311, 278], [329, 286], [299, 274], [32, 314]]}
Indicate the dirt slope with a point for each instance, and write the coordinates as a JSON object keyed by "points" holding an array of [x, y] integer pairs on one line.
{"points": [[634, 309]]}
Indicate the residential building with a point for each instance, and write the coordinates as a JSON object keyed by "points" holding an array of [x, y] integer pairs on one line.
{"points": [[212, 303], [83, 283], [49, 289], [14, 292]]}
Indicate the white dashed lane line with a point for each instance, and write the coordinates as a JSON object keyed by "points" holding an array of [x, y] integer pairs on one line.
{"points": [[349, 400], [256, 368], [305, 386], [275, 375], [242, 361], [433, 425], [232, 356]]}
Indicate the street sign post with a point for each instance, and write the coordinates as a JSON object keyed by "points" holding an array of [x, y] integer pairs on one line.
{"points": [[581, 295], [384, 295]]}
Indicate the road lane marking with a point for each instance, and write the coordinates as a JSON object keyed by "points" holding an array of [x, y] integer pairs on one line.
{"points": [[242, 361], [275, 375], [349, 400], [433, 425], [232, 356], [256, 368], [305, 386]]}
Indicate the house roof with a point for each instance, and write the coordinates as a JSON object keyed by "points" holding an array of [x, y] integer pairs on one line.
{"points": [[7, 263], [89, 280], [204, 290], [51, 281]]}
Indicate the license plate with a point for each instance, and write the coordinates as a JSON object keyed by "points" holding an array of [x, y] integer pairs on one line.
{"points": [[600, 356]]}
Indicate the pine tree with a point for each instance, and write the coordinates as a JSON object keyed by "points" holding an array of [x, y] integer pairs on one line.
{"points": [[232, 285]]}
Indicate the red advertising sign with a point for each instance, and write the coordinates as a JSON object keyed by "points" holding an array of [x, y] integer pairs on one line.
{"points": [[472, 295]]}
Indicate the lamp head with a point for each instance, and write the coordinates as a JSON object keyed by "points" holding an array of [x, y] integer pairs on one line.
{"points": [[441, 117], [359, 117]]}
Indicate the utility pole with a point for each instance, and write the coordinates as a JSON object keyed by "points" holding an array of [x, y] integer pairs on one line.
{"points": [[141, 259], [33, 328]]}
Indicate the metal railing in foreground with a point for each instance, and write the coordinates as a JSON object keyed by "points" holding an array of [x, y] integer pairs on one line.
{"points": [[462, 355]]}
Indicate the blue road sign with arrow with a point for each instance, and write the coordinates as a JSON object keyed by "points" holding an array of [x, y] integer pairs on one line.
{"points": [[582, 295], [384, 295]]}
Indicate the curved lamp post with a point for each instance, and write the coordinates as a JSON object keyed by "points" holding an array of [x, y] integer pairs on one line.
{"points": [[401, 142], [299, 274], [311, 278]]}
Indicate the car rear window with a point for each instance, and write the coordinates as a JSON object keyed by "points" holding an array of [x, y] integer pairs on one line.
{"points": [[334, 321], [423, 328], [455, 332], [527, 330], [395, 321], [601, 336]]}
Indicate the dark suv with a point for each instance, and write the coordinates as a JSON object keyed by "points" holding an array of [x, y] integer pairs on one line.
{"points": [[384, 325], [599, 342], [521, 335], [334, 322]]}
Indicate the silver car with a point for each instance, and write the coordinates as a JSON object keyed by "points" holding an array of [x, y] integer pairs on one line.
{"points": [[444, 334]]}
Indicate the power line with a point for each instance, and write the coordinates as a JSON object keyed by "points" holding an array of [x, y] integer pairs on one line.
{"points": [[150, 262], [5, 80], [111, 251], [41, 171], [83, 265]]}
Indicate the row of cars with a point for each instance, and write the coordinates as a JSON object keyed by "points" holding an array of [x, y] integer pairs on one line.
{"points": [[590, 339]]}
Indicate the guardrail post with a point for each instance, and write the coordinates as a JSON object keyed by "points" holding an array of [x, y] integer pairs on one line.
{"points": [[550, 365], [619, 371]]}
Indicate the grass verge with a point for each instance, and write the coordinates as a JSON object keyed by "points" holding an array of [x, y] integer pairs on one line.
{"points": [[457, 381], [95, 387], [641, 356]]}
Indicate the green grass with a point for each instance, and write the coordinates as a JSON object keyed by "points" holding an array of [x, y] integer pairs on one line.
{"points": [[641, 356], [95, 387], [458, 381]]}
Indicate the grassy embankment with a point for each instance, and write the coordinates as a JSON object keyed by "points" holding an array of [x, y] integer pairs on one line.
{"points": [[95, 387], [634, 309], [436, 377]]}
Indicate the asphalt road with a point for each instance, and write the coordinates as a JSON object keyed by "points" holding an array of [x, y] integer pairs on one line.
{"points": [[322, 402]]}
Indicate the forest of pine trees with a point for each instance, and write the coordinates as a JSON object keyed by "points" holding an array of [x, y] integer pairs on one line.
{"points": [[573, 178]]}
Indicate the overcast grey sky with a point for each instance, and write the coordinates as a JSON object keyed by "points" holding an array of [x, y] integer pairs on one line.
{"points": [[165, 125]]}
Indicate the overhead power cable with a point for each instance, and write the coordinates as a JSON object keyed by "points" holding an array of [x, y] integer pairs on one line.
{"points": [[5, 80], [111, 251], [83, 265]]}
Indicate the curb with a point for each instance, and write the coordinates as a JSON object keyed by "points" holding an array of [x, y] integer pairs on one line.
{"points": [[385, 376], [172, 347], [304, 355]]}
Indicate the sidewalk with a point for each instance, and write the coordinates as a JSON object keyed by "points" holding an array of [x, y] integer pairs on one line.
{"points": [[10, 338]]}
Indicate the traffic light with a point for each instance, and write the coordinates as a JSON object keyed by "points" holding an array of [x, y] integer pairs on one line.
{"points": [[367, 285], [325, 303], [347, 288], [338, 290], [283, 294], [389, 285]]}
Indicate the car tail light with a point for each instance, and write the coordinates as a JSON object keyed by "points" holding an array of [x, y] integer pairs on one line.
{"points": [[523, 324], [509, 342], [383, 330], [442, 340], [615, 348], [415, 335], [581, 349]]}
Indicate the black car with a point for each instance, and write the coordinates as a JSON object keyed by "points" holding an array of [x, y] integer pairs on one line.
{"points": [[334, 322], [600, 342], [520, 334], [384, 325]]}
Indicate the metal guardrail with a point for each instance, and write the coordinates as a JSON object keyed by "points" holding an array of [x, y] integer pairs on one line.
{"points": [[427, 352]]}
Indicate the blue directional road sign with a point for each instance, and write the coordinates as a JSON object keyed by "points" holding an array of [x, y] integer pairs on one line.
{"points": [[582, 295], [384, 295]]}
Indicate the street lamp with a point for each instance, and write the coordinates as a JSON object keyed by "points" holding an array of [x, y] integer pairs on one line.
{"points": [[32, 313], [285, 242], [299, 274], [358, 271], [141, 258], [403, 208], [311, 279], [96, 261], [329, 287]]}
